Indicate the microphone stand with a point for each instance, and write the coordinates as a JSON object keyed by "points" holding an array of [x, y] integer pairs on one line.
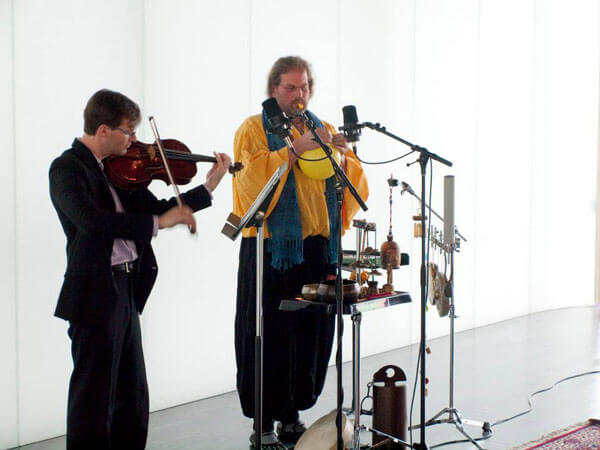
{"points": [[450, 248], [341, 181], [255, 217], [424, 157]]}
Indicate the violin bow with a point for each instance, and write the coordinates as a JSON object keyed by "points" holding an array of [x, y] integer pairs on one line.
{"points": [[163, 156]]}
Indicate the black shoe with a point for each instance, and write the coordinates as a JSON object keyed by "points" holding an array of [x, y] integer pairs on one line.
{"points": [[269, 441], [290, 432]]}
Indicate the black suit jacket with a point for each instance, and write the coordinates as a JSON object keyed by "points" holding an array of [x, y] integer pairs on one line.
{"points": [[86, 210]]}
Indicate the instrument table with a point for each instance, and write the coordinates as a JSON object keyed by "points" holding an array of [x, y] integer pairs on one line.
{"points": [[358, 307], [354, 310]]}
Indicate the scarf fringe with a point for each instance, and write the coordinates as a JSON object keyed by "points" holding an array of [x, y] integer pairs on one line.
{"points": [[285, 253]]}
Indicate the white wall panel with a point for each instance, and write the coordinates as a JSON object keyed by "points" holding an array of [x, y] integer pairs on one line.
{"points": [[282, 28], [8, 300], [196, 85], [564, 154], [377, 76], [446, 102], [503, 161], [64, 51]]}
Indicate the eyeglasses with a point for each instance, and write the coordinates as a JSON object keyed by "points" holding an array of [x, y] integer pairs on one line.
{"points": [[290, 88], [131, 134]]}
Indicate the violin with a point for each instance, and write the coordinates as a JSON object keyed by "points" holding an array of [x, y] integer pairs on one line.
{"points": [[143, 163]]}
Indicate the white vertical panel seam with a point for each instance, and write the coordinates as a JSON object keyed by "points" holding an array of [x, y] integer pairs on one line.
{"points": [[339, 53], [250, 18], [414, 339], [532, 158], [414, 71], [143, 52], [144, 323], [597, 243], [476, 164], [15, 284]]}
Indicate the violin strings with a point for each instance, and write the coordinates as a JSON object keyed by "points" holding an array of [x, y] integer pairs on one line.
{"points": [[179, 155]]}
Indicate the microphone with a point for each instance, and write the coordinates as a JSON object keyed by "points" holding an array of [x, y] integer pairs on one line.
{"points": [[351, 127], [277, 122], [406, 188]]}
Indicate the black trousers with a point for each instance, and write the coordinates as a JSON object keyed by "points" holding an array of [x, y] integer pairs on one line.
{"points": [[296, 345], [108, 392]]}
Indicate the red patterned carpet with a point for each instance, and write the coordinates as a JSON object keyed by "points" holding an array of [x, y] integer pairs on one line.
{"points": [[585, 436]]}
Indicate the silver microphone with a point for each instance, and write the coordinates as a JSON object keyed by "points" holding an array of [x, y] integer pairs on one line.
{"points": [[406, 187]]}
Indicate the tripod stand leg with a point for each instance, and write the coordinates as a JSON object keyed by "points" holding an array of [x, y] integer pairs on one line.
{"points": [[461, 430], [433, 420]]}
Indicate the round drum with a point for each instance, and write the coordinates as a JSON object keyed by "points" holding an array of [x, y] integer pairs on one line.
{"points": [[318, 170]]}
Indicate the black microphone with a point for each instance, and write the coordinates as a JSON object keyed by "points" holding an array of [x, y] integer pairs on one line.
{"points": [[351, 127], [277, 122]]}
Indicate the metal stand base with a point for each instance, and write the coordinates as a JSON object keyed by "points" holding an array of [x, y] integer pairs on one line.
{"points": [[453, 414], [455, 419]]}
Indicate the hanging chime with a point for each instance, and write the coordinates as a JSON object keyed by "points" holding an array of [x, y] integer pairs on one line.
{"points": [[390, 250]]}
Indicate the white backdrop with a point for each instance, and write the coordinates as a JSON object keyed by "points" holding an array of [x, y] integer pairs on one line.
{"points": [[506, 90]]}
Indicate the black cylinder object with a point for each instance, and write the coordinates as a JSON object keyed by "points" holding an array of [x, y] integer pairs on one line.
{"points": [[389, 405]]}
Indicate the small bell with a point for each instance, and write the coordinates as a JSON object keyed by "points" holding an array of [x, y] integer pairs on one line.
{"points": [[418, 229], [390, 260], [390, 250], [390, 253], [418, 226]]}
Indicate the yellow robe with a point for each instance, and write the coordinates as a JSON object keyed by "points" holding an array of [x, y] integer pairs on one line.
{"points": [[251, 148]]}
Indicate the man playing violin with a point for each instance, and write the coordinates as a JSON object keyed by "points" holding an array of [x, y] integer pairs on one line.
{"points": [[110, 272], [300, 248]]}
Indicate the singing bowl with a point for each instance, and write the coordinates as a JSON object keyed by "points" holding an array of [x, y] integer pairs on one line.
{"points": [[318, 170], [309, 291], [326, 291], [322, 435]]}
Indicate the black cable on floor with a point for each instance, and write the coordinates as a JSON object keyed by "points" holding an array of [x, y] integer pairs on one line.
{"points": [[499, 422]]}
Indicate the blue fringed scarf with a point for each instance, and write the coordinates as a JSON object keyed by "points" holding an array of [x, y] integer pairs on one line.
{"points": [[285, 225]]}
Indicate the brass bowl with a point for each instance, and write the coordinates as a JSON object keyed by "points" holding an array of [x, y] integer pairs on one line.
{"points": [[326, 291], [309, 291]]}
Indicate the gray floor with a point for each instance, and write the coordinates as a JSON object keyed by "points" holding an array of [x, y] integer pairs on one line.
{"points": [[497, 368]]}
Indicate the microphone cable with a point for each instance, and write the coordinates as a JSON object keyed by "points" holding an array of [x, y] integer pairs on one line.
{"points": [[522, 413], [304, 118], [530, 405], [374, 163]]}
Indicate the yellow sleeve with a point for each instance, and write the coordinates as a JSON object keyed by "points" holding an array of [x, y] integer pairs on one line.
{"points": [[250, 147], [357, 177]]}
